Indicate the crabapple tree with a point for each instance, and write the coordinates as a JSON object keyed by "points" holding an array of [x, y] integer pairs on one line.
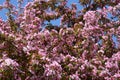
{"points": [[85, 46]]}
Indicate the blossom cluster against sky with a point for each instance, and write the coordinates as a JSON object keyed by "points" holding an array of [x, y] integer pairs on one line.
{"points": [[54, 22]]}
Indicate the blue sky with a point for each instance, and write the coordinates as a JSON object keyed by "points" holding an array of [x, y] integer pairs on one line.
{"points": [[4, 11], [57, 21]]}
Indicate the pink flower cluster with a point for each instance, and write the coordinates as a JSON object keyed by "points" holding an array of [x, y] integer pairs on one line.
{"points": [[84, 50]]}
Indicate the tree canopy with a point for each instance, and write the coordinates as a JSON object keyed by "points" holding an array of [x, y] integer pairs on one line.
{"points": [[85, 46]]}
